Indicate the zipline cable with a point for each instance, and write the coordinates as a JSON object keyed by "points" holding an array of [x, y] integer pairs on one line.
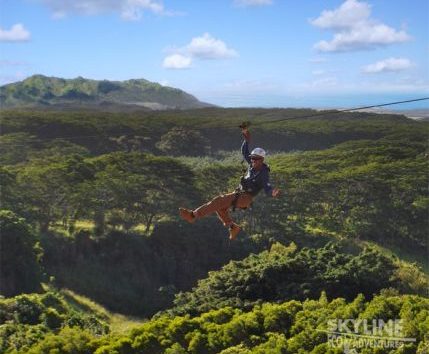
{"points": [[334, 111]]}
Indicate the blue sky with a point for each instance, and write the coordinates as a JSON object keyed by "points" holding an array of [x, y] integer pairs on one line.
{"points": [[259, 53]]}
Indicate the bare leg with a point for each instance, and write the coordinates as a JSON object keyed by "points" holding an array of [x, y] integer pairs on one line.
{"points": [[220, 205], [223, 215], [221, 202]]}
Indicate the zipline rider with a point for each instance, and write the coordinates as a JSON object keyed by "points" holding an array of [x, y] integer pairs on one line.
{"points": [[256, 179]]}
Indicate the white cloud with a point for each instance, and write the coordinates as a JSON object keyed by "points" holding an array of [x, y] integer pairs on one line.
{"points": [[133, 9], [128, 9], [207, 47], [177, 61], [365, 37], [245, 3], [346, 16], [17, 33], [390, 64], [203, 47], [354, 29]]}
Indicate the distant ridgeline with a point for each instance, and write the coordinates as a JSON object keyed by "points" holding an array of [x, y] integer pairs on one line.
{"points": [[42, 91]]}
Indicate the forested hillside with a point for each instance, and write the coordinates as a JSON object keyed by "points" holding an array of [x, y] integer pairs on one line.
{"points": [[89, 211], [53, 92]]}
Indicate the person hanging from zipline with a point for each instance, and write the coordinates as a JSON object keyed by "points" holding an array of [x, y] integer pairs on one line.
{"points": [[256, 179]]}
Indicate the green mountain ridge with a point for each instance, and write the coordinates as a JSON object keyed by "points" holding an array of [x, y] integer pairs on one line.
{"points": [[40, 91]]}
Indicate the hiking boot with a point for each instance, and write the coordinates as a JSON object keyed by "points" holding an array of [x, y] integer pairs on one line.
{"points": [[234, 229], [187, 215]]}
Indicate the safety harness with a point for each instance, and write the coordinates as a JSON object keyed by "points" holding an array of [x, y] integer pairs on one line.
{"points": [[237, 194]]}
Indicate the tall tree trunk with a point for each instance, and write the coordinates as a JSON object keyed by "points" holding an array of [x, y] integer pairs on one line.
{"points": [[149, 220], [100, 222]]}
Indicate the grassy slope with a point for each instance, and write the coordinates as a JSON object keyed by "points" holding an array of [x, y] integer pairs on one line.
{"points": [[118, 323]]}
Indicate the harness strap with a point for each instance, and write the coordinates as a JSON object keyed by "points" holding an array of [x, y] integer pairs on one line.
{"points": [[237, 194]]}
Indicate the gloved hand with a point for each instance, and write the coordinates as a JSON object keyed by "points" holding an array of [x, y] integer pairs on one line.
{"points": [[246, 134]]}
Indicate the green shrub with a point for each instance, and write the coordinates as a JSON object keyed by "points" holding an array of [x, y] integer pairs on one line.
{"points": [[27, 309], [20, 270], [51, 318]]}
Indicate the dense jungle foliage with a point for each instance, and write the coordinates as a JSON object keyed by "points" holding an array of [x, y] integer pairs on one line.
{"points": [[89, 206]]}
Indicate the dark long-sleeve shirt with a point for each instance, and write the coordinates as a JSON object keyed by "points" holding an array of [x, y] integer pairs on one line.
{"points": [[255, 180]]}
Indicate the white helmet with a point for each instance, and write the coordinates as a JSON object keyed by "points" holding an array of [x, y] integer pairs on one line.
{"points": [[258, 152]]}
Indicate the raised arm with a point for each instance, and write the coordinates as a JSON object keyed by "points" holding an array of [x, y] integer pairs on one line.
{"points": [[245, 145]]}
